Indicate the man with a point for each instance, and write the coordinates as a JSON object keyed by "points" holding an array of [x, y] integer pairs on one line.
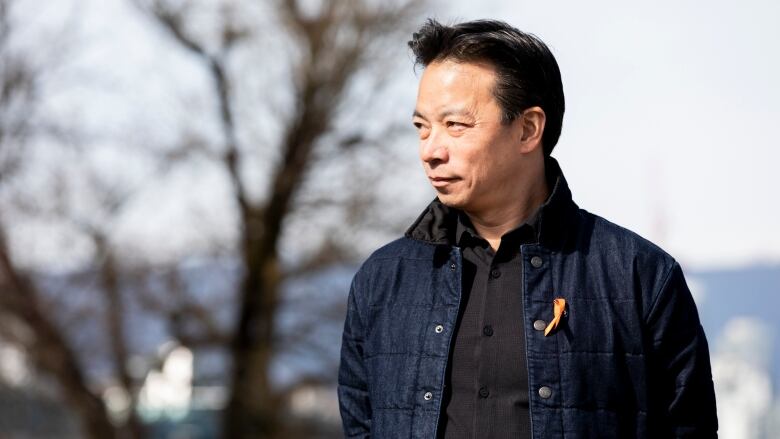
{"points": [[506, 311]]}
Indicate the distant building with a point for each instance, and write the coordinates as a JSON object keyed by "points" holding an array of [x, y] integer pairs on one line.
{"points": [[743, 383]]}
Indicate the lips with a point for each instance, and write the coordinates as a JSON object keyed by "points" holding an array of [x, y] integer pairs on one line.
{"points": [[442, 181]]}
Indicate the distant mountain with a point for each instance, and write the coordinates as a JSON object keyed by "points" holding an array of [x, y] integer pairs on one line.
{"points": [[721, 295]]}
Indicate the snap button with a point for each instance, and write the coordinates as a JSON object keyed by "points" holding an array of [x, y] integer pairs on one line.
{"points": [[487, 330], [439, 329], [539, 325], [545, 392], [483, 392], [495, 274], [536, 261], [428, 396]]}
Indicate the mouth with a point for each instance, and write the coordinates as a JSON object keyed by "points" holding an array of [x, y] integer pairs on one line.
{"points": [[442, 181]]}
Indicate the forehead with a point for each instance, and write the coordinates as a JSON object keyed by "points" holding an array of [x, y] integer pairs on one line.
{"points": [[449, 83]]}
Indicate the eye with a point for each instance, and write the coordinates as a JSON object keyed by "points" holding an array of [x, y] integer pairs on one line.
{"points": [[420, 126], [455, 125]]}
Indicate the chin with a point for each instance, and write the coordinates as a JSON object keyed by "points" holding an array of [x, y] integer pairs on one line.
{"points": [[451, 200]]}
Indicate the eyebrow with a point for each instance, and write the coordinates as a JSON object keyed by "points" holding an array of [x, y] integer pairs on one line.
{"points": [[445, 113]]}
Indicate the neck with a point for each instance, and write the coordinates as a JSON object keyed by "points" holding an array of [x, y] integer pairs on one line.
{"points": [[491, 224]]}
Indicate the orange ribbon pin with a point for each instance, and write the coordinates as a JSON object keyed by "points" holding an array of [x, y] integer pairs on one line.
{"points": [[559, 308]]}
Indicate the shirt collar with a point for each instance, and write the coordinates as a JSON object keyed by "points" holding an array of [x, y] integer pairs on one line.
{"points": [[466, 234], [438, 223]]}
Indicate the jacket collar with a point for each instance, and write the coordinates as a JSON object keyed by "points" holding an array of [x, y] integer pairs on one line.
{"points": [[437, 223]]}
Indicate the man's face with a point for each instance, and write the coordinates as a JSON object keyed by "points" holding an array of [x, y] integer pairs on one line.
{"points": [[469, 156]]}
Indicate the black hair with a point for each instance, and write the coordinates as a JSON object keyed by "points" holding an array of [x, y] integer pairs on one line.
{"points": [[527, 74]]}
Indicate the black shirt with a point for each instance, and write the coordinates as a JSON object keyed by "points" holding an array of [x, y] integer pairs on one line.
{"points": [[486, 384]]}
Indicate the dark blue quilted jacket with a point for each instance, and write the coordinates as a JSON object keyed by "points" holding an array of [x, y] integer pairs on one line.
{"points": [[628, 359]]}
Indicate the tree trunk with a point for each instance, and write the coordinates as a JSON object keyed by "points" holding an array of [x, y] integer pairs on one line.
{"points": [[254, 410]]}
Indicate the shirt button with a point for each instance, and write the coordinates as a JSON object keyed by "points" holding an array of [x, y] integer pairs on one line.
{"points": [[428, 396], [487, 330], [495, 274], [539, 325], [545, 392], [536, 261], [439, 329], [483, 392]]}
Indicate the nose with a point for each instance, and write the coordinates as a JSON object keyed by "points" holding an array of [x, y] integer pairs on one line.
{"points": [[433, 149]]}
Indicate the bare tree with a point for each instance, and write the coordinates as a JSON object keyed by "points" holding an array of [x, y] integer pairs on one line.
{"points": [[24, 319], [23, 303], [330, 46], [320, 74]]}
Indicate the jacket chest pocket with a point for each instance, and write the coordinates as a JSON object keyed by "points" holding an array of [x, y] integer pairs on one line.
{"points": [[396, 329], [602, 357], [601, 325]]}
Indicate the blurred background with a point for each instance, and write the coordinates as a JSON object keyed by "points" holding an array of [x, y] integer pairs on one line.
{"points": [[187, 188]]}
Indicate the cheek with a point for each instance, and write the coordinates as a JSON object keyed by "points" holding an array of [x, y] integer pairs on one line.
{"points": [[492, 166], [479, 164]]}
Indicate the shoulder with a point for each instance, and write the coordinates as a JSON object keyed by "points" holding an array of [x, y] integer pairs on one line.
{"points": [[623, 252], [403, 263], [403, 248], [400, 249], [607, 237]]}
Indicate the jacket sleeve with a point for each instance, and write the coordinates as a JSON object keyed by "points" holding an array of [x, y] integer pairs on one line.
{"points": [[354, 403], [681, 393]]}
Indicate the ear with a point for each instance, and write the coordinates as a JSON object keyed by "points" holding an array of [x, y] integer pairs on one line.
{"points": [[532, 121]]}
